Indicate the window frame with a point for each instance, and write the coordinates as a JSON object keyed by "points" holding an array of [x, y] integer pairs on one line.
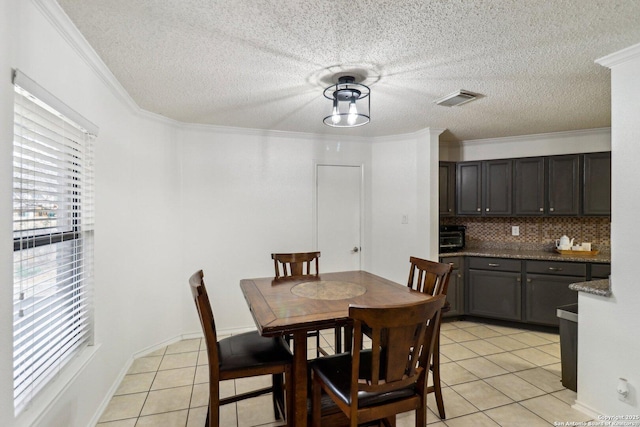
{"points": [[63, 303]]}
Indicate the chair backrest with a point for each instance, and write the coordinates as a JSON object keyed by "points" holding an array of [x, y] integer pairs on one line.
{"points": [[402, 340], [205, 312], [429, 277], [296, 264]]}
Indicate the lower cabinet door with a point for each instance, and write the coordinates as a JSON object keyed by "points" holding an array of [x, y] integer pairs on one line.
{"points": [[544, 293], [495, 294], [455, 291], [454, 294]]}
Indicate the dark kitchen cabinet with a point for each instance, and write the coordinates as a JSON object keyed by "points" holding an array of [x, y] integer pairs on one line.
{"points": [[496, 191], [563, 185], [484, 188], [600, 271], [469, 188], [494, 288], [547, 287], [447, 188], [528, 186], [596, 189], [455, 291]]}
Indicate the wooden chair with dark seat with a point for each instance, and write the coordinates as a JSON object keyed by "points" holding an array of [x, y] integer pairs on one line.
{"points": [[389, 378], [240, 356], [301, 264], [432, 278]]}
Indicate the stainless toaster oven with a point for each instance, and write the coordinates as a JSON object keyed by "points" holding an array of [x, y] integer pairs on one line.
{"points": [[452, 238]]}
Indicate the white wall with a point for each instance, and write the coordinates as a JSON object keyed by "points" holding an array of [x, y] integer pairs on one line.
{"points": [[607, 328], [405, 182], [247, 194], [137, 278], [172, 198], [8, 16]]}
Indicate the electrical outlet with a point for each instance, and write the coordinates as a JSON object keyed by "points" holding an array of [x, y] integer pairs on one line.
{"points": [[515, 230]]}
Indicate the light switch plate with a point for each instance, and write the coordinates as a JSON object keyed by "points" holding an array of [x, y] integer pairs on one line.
{"points": [[515, 230]]}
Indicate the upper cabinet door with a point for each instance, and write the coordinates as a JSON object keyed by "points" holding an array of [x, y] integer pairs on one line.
{"points": [[596, 189], [447, 186], [496, 178], [469, 188], [564, 185], [528, 182]]}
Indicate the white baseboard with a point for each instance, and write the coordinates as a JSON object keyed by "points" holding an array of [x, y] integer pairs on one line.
{"points": [[578, 406], [150, 349]]}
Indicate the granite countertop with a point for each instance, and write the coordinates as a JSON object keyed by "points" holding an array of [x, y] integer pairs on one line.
{"points": [[596, 287], [603, 258]]}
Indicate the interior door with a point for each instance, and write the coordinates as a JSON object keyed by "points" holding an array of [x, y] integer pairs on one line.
{"points": [[339, 216]]}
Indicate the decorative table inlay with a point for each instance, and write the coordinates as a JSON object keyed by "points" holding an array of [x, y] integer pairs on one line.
{"points": [[328, 290]]}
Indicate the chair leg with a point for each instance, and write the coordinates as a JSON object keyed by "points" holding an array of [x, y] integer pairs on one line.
{"points": [[421, 416], [338, 345], [316, 407], [389, 421], [288, 390], [278, 396], [213, 411], [435, 368]]}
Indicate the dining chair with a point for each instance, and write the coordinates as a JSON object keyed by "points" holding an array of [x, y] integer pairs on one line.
{"points": [[432, 278], [301, 264], [390, 377], [295, 264], [239, 356]]}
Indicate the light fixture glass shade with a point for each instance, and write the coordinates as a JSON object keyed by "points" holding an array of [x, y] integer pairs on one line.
{"points": [[335, 115], [350, 101], [352, 118]]}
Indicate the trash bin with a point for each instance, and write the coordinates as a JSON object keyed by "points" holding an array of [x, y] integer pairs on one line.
{"points": [[568, 319]]}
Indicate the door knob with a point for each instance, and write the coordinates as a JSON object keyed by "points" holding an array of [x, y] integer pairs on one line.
{"points": [[355, 250]]}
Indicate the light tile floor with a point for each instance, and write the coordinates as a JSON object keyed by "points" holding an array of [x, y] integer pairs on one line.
{"points": [[493, 376]]}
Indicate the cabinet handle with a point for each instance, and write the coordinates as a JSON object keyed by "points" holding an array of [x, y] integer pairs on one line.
{"points": [[529, 280], [555, 269], [541, 209], [486, 209], [518, 280], [459, 275], [551, 209], [491, 264], [450, 210], [478, 209]]}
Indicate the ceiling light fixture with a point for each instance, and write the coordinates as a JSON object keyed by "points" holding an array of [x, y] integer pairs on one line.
{"points": [[456, 98], [346, 111]]}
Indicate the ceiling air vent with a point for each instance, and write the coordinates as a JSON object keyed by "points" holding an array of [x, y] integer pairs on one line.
{"points": [[457, 98]]}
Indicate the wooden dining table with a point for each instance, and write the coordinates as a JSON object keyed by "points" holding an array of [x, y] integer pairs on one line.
{"points": [[298, 305]]}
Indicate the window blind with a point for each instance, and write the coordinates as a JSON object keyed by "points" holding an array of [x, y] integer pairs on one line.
{"points": [[53, 242]]}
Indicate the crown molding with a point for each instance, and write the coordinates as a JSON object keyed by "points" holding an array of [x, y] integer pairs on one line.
{"points": [[431, 132], [537, 136], [197, 127], [620, 57], [52, 11]]}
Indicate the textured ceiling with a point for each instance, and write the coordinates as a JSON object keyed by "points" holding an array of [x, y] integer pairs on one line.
{"points": [[263, 64]]}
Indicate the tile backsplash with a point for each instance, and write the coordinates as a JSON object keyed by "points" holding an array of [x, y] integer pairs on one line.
{"points": [[535, 233]]}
